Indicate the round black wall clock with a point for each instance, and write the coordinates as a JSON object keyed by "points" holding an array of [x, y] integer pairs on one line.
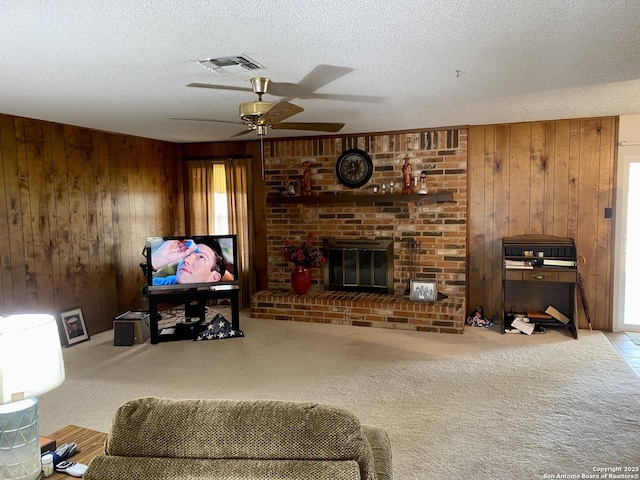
{"points": [[354, 168]]}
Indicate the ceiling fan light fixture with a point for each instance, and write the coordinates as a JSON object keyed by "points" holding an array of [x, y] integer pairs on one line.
{"points": [[252, 111]]}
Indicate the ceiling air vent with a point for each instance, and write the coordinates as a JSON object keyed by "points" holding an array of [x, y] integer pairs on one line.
{"points": [[235, 64]]}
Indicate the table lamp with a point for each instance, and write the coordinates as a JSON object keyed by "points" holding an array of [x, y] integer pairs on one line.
{"points": [[30, 364]]}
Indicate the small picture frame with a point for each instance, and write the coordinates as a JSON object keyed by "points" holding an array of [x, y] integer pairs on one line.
{"points": [[423, 291], [292, 189], [73, 327]]}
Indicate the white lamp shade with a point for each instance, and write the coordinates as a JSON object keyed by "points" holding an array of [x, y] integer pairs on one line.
{"points": [[30, 356]]}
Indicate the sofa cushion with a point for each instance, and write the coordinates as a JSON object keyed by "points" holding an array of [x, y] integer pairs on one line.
{"points": [[138, 468], [229, 429]]}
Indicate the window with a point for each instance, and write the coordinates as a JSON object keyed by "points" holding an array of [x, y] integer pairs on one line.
{"points": [[208, 199]]}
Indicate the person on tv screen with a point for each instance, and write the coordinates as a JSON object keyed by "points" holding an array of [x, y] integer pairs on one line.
{"points": [[199, 261]]}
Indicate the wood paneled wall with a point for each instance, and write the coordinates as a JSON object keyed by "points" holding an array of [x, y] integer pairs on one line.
{"points": [[555, 178], [75, 208], [76, 205]]}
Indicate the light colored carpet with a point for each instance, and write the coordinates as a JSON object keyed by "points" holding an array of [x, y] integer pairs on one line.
{"points": [[480, 405]]}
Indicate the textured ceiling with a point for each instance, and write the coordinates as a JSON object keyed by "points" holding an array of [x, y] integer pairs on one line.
{"points": [[125, 65]]}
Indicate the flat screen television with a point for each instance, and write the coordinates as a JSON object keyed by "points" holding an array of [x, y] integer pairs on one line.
{"points": [[198, 261]]}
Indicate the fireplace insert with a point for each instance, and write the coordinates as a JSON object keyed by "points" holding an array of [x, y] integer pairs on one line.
{"points": [[358, 265]]}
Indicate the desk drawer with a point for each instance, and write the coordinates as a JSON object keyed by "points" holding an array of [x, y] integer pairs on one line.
{"points": [[541, 276]]}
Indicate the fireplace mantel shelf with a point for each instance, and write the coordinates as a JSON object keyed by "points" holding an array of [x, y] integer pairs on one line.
{"points": [[368, 199]]}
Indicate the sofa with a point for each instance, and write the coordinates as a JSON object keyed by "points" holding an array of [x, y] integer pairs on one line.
{"points": [[164, 438]]}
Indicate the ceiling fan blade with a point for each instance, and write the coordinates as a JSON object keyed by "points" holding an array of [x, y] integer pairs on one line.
{"points": [[203, 120], [279, 112], [322, 75], [318, 127], [347, 98], [219, 87], [317, 78], [243, 132]]}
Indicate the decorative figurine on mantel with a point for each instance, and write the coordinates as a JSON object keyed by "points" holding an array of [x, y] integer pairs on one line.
{"points": [[406, 176], [306, 180]]}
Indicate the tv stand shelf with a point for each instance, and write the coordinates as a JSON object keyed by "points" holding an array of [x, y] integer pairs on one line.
{"points": [[189, 295], [539, 271]]}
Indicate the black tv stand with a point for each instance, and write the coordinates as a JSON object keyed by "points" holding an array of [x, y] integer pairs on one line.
{"points": [[187, 296]]}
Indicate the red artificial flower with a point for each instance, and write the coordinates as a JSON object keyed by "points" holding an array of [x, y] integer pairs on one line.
{"points": [[302, 254]]}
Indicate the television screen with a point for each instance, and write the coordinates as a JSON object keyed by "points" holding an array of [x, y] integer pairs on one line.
{"points": [[191, 262]]}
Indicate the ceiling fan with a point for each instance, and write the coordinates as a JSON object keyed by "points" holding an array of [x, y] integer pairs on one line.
{"points": [[261, 115]]}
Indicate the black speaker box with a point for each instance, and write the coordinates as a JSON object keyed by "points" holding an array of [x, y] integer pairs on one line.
{"points": [[123, 334]]}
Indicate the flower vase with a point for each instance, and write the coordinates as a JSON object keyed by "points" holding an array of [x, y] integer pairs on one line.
{"points": [[301, 279]]}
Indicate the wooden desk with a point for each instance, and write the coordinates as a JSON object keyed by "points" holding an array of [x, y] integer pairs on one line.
{"points": [[543, 271], [90, 444]]}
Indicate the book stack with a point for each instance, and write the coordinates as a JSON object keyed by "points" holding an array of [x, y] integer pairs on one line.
{"points": [[519, 264], [536, 315], [551, 262]]}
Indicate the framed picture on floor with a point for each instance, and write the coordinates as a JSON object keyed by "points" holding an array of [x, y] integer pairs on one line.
{"points": [[73, 326], [423, 291]]}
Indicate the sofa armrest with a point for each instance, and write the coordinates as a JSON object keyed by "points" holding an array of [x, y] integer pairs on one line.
{"points": [[381, 448], [107, 467]]}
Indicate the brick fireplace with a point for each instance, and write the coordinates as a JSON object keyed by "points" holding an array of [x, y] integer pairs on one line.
{"points": [[428, 233]]}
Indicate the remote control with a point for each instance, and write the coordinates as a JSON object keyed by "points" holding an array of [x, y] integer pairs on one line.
{"points": [[74, 469]]}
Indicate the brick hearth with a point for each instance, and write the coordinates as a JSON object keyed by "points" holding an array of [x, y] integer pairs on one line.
{"points": [[360, 309]]}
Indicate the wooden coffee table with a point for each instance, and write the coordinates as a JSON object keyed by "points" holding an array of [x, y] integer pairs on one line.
{"points": [[90, 444]]}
